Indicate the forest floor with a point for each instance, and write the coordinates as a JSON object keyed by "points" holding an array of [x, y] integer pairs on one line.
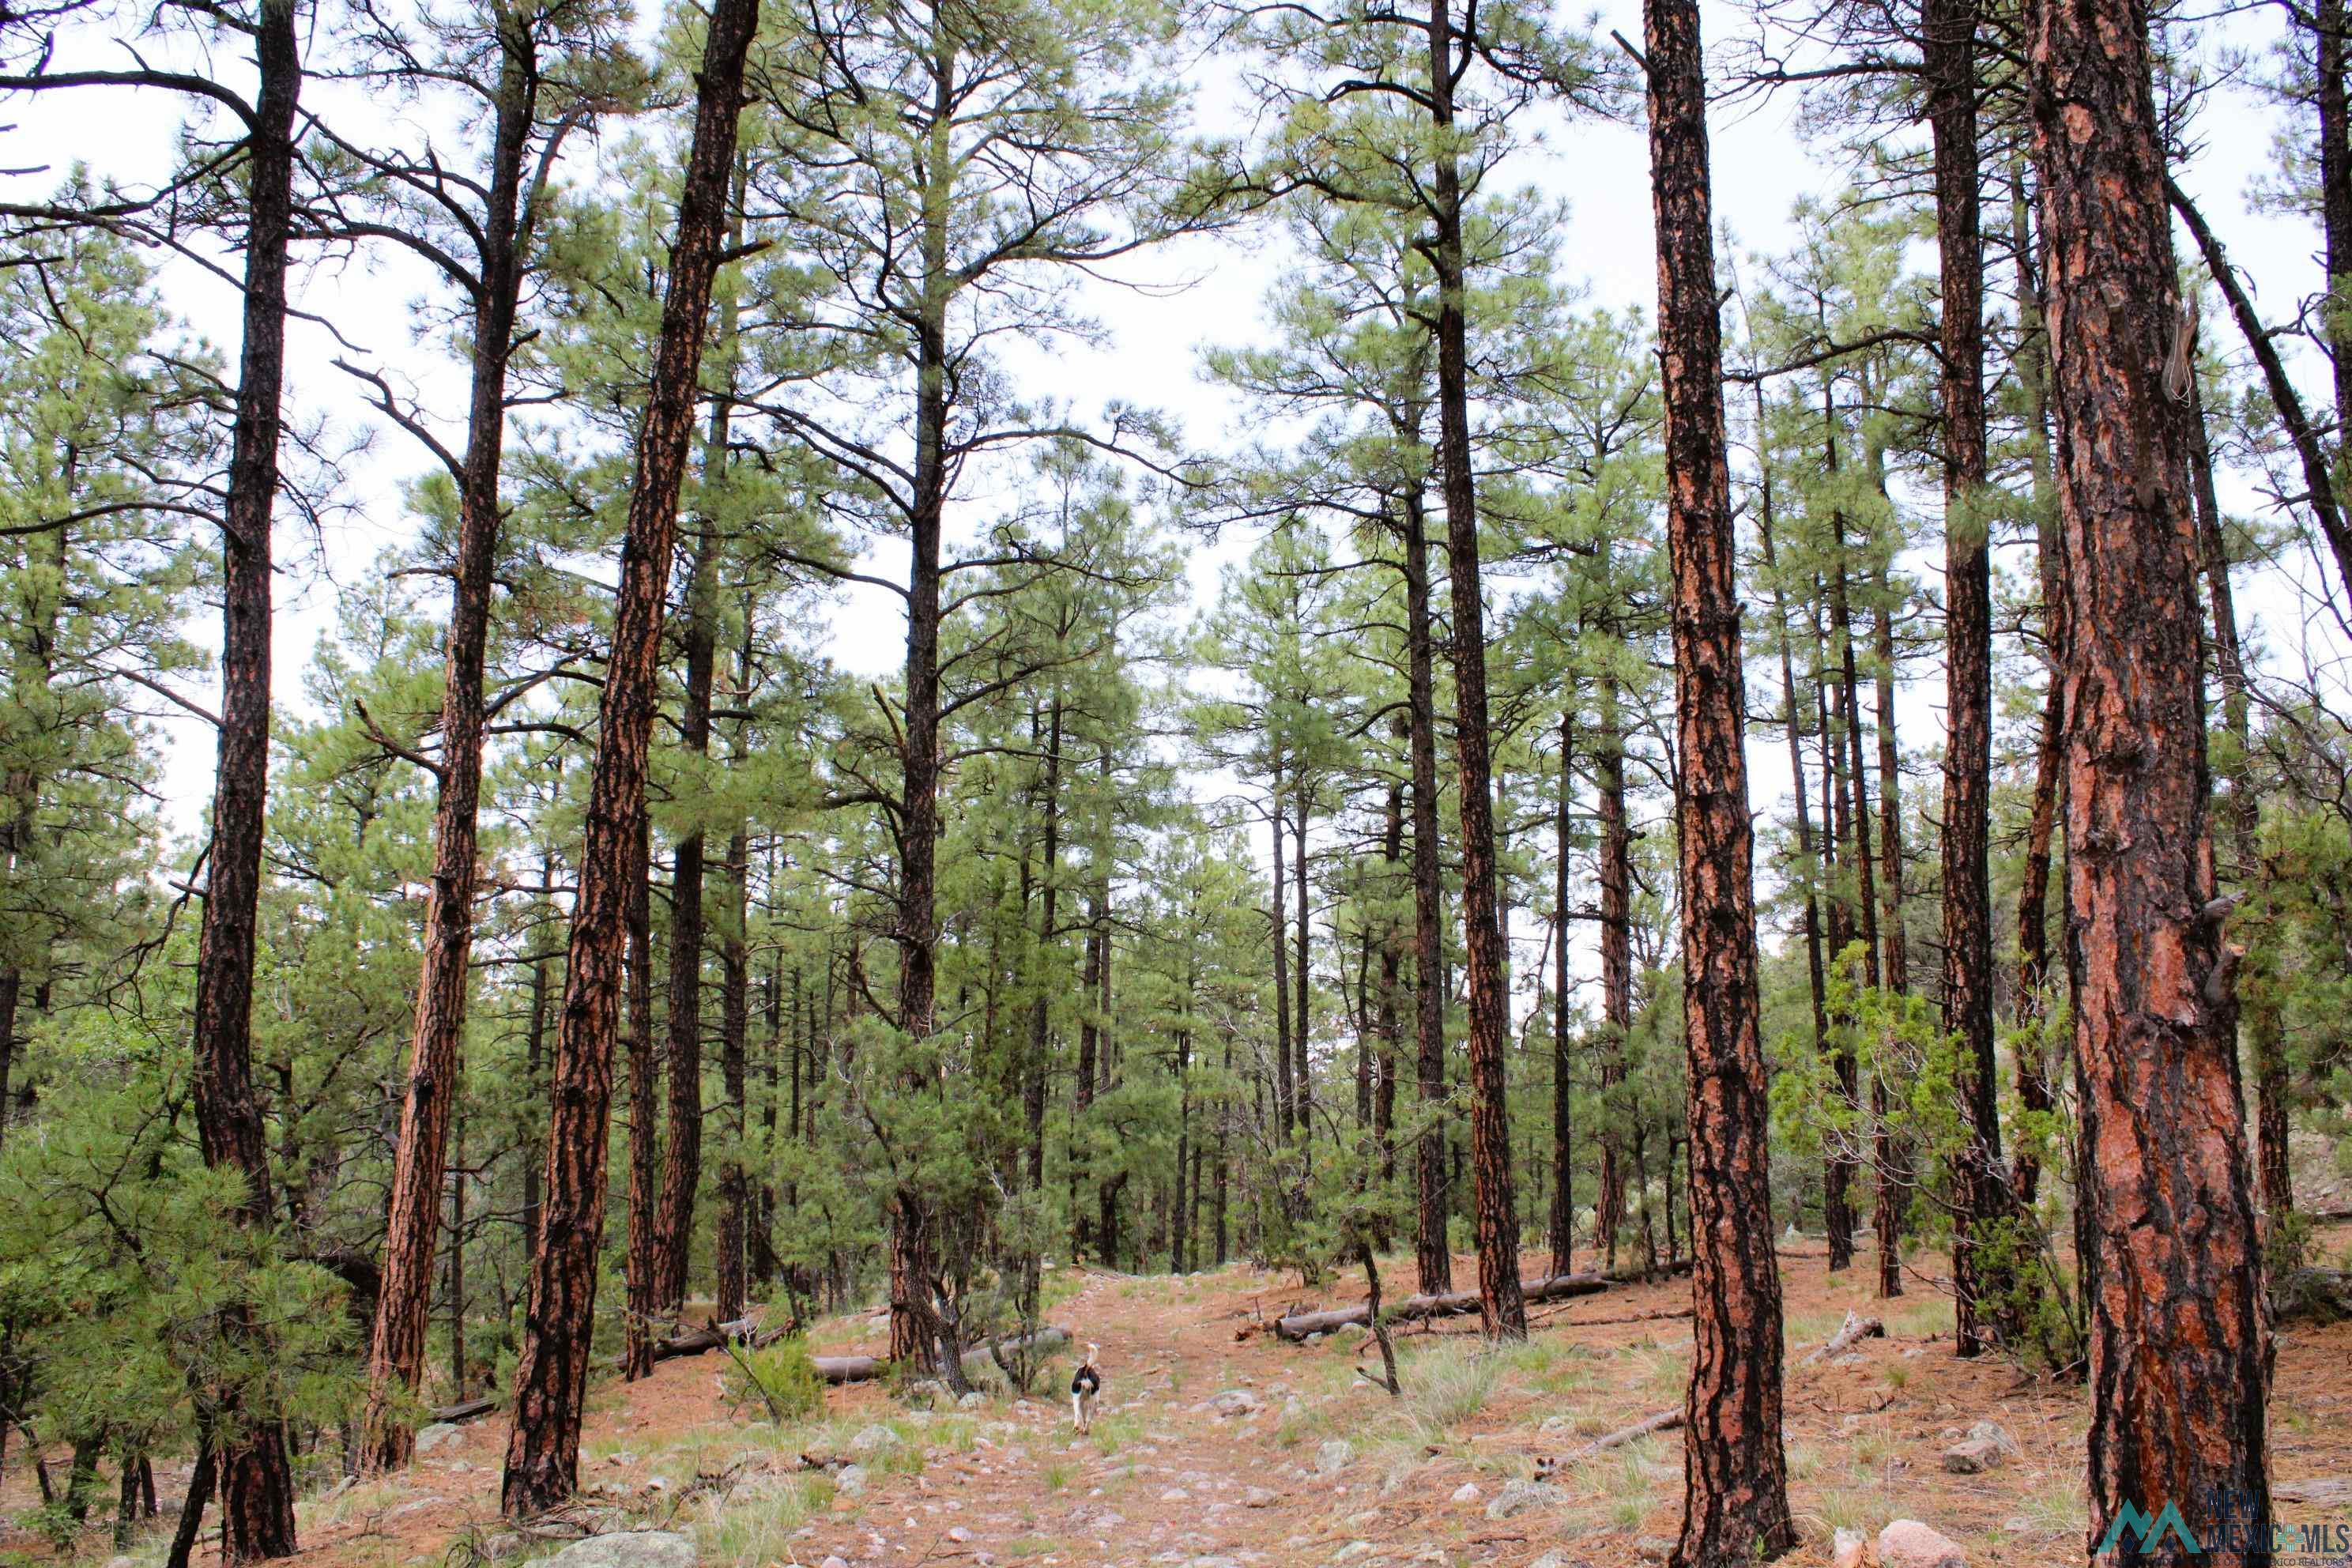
{"points": [[1327, 1467]]}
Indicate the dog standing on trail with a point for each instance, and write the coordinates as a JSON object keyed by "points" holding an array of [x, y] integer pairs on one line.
{"points": [[1085, 1387]]}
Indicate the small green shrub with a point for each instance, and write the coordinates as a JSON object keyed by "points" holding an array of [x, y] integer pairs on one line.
{"points": [[778, 1381]]}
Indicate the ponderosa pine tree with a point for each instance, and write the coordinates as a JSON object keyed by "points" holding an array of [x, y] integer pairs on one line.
{"points": [[551, 1376], [542, 74], [2180, 1334], [1736, 1500]]}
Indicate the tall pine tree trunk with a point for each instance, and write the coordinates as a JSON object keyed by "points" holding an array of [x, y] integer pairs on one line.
{"points": [[1981, 1286], [2180, 1339], [642, 1261], [396, 1352], [1563, 1183], [1501, 1311], [542, 1459], [2035, 1092], [1433, 1250], [1735, 1475], [256, 1482], [1616, 955]]}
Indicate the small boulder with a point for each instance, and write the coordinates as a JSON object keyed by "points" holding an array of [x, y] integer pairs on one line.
{"points": [[1993, 1432], [874, 1439], [1548, 1560], [1655, 1548], [851, 1481], [497, 1548], [628, 1549], [1850, 1549], [1259, 1497], [1333, 1457], [972, 1401], [1907, 1543], [1519, 1496], [1973, 1457], [833, 1561], [439, 1436], [958, 1535], [1235, 1402], [1467, 1492], [1354, 1552]]}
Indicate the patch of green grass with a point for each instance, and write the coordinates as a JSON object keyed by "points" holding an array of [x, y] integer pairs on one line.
{"points": [[1445, 1387], [1056, 1474], [1113, 1432], [1897, 1375], [1920, 1319], [750, 1530], [1030, 1546], [1804, 1461], [2059, 1507], [1849, 1508], [329, 1510]]}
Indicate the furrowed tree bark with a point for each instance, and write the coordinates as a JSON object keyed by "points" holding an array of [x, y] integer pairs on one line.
{"points": [[1285, 1089], [1981, 1289], [1837, 1176], [734, 1028], [1889, 1159], [2240, 814], [1563, 1174], [1433, 1252], [645, 1117], [2180, 1341], [1504, 1315], [682, 1155], [1735, 1474], [1616, 952], [1302, 1076], [256, 1480], [2035, 1091], [1390, 1026], [396, 1351], [1816, 972], [552, 1377], [911, 1319]]}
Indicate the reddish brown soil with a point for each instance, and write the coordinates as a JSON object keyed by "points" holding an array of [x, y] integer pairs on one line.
{"points": [[1167, 1479]]}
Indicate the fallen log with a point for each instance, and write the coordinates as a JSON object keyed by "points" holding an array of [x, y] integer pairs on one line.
{"points": [[1856, 1329], [1664, 1421], [464, 1410], [1414, 1309]]}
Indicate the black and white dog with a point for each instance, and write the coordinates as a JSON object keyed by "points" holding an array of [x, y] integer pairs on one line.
{"points": [[1085, 1387]]}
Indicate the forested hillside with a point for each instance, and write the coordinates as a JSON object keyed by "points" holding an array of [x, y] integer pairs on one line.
{"points": [[1853, 747]]}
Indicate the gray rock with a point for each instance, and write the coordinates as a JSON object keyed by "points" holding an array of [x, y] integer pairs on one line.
{"points": [[1993, 1432], [851, 1481], [874, 1439], [630, 1549], [832, 1562], [506, 1543], [972, 1401], [1235, 1402], [440, 1434], [1333, 1457], [958, 1535], [1259, 1497], [1655, 1548], [1467, 1492], [1519, 1496], [1907, 1543], [1846, 1549], [419, 1506], [1550, 1560], [2329, 1490], [1973, 1458], [1354, 1552]]}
